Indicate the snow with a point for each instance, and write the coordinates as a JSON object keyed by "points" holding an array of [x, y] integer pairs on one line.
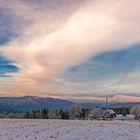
{"points": [[16, 129], [128, 117]]}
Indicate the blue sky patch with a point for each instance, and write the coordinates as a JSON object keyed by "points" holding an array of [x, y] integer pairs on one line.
{"points": [[6, 66], [105, 65]]}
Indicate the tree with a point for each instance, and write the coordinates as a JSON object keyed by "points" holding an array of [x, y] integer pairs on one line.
{"points": [[119, 110], [27, 115], [38, 114], [74, 111], [54, 114], [96, 113], [44, 113], [124, 112], [33, 114], [64, 115], [136, 111], [84, 114]]}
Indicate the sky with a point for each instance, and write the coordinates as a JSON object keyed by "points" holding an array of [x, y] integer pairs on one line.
{"points": [[80, 50]]}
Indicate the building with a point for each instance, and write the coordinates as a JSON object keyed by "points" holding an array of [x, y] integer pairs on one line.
{"points": [[108, 114], [100, 114]]}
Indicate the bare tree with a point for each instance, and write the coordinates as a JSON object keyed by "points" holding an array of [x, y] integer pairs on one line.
{"points": [[54, 114], [74, 111], [136, 111], [95, 113]]}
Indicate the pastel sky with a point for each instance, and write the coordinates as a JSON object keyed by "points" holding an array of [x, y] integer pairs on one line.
{"points": [[81, 50]]}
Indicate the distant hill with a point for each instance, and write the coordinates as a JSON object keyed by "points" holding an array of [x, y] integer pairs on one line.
{"points": [[6, 109], [125, 104], [28, 103], [94, 104], [112, 104]]}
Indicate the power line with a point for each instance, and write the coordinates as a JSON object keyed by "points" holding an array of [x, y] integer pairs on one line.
{"points": [[131, 66]]}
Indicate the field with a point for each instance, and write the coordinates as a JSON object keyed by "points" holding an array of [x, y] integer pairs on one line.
{"points": [[68, 130]]}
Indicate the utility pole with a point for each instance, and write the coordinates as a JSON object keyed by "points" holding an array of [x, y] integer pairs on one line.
{"points": [[106, 102]]}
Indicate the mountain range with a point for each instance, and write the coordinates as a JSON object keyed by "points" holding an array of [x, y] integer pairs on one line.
{"points": [[28, 103]]}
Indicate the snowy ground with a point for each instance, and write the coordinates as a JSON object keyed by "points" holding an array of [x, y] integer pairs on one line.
{"points": [[68, 130]]}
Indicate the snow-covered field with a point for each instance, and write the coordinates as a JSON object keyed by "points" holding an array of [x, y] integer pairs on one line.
{"points": [[68, 130]]}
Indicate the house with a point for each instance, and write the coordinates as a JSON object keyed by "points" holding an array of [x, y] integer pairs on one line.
{"points": [[100, 114], [108, 114]]}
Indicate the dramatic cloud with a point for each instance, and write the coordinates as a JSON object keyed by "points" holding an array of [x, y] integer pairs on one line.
{"points": [[69, 48], [42, 51]]}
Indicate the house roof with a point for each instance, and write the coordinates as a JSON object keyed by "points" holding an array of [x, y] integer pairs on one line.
{"points": [[107, 113]]}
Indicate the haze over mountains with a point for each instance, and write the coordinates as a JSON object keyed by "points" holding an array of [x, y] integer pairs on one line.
{"points": [[28, 103]]}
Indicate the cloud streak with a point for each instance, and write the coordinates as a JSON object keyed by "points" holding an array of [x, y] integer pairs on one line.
{"points": [[43, 51]]}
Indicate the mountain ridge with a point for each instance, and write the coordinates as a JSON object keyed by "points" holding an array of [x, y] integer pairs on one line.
{"points": [[28, 103]]}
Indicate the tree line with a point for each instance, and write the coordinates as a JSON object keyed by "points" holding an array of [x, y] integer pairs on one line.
{"points": [[73, 112]]}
